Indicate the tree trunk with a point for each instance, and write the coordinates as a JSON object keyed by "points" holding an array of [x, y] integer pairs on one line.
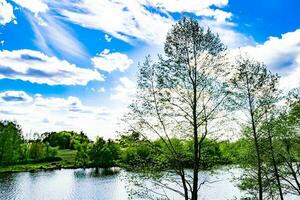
{"points": [[259, 169], [97, 170], [257, 149], [186, 193], [196, 145], [276, 173]]}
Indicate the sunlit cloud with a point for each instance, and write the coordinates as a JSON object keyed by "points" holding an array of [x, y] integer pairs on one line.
{"points": [[6, 12], [124, 91], [36, 67], [109, 62], [282, 56]]}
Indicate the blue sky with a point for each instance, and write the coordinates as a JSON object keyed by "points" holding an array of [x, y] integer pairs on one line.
{"points": [[71, 64]]}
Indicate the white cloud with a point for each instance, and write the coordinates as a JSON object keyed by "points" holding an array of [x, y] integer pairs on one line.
{"points": [[291, 79], [40, 114], [36, 67], [109, 62], [107, 38], [6, 12], [121, 19], [281, 55], [35, 6], [228, 35], [132, 19], [187, 6], [125, 91], [15, 97], [200, 8], [100, 90], [144, 20]]}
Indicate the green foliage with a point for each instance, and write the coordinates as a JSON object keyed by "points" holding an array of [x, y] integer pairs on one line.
{"points": [[236, 152], [10, 142], [82, 157], [14, 149], [139, 154], [36, 150], [41, 151], [104, 154], [65, 139]]}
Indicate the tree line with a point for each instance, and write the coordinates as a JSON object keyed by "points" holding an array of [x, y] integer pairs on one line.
{"points": [[130, 150], [134, 152]]}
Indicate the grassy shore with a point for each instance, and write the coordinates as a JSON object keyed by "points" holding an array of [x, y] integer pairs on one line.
{"points": [[68, 161]]}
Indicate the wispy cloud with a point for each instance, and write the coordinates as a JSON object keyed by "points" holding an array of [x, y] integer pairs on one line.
{"points": [[53, 35]]}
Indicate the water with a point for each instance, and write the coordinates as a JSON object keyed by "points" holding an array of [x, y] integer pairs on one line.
{"points": [[79, 184], [61, 184]]}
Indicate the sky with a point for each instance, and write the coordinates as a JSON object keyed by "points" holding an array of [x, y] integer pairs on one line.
{"points": [[71, 64]]}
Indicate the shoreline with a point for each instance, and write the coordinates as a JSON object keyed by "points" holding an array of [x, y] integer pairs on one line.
{"points": [[35, 167]]}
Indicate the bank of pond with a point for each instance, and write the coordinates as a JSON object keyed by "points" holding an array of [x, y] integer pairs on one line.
{"points": [[66, 149]]}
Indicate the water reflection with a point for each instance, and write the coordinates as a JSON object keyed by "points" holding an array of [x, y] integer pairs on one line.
{"points": [[84, 173], [65, 184], [7, 185], [80, 184]]}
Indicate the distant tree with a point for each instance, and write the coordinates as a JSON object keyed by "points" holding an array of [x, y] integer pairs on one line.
{"points": [[36, 150], [10, 142], [65, 139], [96, 151], [136, 152], [104, 154], [49, 152], [129, 139], [82, 157]]}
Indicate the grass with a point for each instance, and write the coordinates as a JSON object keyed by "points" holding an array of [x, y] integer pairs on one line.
{"points": [[68, 161], [68, 157]]}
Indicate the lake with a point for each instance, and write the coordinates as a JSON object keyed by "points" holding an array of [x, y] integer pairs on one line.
{"points": [[79, 184]]}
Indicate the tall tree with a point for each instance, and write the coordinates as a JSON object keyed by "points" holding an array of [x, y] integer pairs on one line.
{"points": [[182, 95], [254, 87]]}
